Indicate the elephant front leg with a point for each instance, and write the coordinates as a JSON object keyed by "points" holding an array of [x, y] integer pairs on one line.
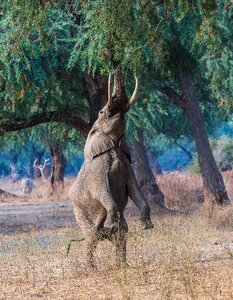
{"points": [[106, 199], [139, 200], [120, 244], [101, 192]]}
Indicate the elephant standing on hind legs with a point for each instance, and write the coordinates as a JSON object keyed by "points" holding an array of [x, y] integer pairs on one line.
{"points": [[106, 180]]}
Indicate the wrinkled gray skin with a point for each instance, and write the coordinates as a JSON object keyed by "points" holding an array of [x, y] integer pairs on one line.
{"points": [[103, 186]]}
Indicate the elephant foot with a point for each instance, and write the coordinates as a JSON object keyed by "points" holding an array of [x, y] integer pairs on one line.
{"points": [[108, 233], [122, 265], [114, 228], [147, 225], [90, 267]]}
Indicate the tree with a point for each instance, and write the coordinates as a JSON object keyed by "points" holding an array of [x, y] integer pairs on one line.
{"points": [[145, 177], [104, 36], [183, 61]]}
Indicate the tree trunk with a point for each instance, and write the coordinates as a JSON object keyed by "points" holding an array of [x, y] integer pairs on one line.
{"points": [[153, 162], [145, 176], [31, 167], [14, 172], [96, 88], [58, 168], [214, 187]]}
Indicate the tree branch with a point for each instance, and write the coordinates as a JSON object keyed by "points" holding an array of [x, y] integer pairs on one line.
{"points": [[66, 116], [173, 95], [78, 123]]}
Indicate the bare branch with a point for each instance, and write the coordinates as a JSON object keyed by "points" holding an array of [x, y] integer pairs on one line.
{"points": [[42, 168], [173, 95]]}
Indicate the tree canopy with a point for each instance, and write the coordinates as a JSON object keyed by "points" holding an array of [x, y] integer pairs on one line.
{"points": [[47, 47]]}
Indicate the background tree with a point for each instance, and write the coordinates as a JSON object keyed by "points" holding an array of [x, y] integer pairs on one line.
{"points": [[95, 36]]}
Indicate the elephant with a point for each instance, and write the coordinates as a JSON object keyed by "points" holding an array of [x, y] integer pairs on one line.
{"points": [[27, 185], [105, 182]]}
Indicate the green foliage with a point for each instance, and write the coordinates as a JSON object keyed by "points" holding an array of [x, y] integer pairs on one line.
{"points": [[218, 59], [194, 167], [223, 154], [156, 116], [132, 32], [155, 113], [48, 135], [34, 54], [45, 46], [33, 68]]}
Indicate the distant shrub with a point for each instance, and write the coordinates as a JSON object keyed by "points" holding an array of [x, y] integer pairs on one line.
{"points": [[223, 154], [194, 167]]}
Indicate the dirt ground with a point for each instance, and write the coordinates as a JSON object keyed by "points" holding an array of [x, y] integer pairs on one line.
{"points": [[28, 217], [186, 256]]}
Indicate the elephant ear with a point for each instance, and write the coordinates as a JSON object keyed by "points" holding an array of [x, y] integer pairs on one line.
{"points": [[125, 148], [97, 143]]}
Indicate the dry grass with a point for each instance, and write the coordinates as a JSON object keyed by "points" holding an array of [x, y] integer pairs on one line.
{"points": [[184, 257], [184, 190], [228, 179], [41, 191]]}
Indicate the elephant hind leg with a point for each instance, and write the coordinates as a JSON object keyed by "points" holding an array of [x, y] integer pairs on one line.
{"points": [[90, 236]]}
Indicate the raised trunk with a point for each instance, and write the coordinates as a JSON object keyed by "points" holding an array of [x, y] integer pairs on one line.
{"points": [[145, 177], [58, 168], [153, 162], [214, 187]]}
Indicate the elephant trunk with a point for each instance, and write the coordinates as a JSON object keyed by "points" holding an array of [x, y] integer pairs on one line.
{"points": [[119, 96], [119, 93]]}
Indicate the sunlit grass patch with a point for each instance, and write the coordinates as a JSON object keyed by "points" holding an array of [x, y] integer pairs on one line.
{"points": [[184, 257]]}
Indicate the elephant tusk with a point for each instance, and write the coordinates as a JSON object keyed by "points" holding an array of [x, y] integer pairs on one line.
{"points": [[135, 93], [109, 90]]}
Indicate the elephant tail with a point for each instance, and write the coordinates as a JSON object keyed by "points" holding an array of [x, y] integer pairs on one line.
{"points": [[71, 241]]}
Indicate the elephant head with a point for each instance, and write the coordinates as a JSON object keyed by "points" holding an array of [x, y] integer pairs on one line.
{"points": [[108, 130]]}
